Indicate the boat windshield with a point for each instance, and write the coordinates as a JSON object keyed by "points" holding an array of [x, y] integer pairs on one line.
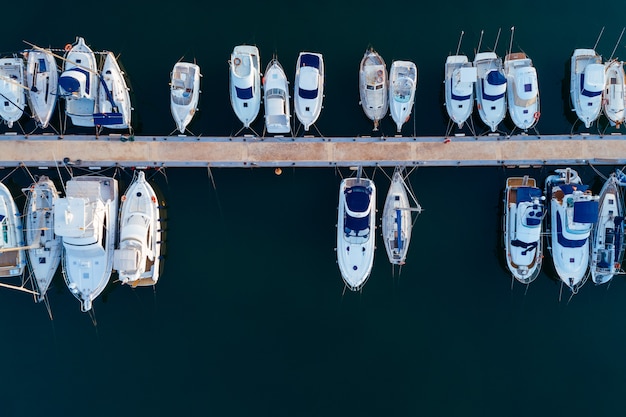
{"points": [[356, 226], [307, 94], [244, 93]]}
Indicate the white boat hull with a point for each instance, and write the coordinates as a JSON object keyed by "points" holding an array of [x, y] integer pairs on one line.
{"points": [[245, 83], [586, 85], [402, 85], [309, 88], [614, 96], [78, 84], [12, 95], [114, 108], [373, 85], [276, 99], [12, 256], [460, 77], [490, 89], [184, 93], [522, 90], [42, 80]]}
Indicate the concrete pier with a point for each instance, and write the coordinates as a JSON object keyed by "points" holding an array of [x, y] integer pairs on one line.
{"points": [[252, 151]]}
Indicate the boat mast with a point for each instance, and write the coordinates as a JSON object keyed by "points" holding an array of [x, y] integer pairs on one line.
{"points": [[458, 47], [480, 41], [598, 40], [618, 41], [511, 41], [497, 39]]}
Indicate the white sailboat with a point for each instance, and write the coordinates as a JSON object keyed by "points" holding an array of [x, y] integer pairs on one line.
{"points": [[12, 90], [373, 85], [308, 88], [398, 218], [402, 85], [522, 227], [184, 93], [355, 230], [114, 108], [86, 220], [276, 99], [44, 247], [573, 212], [12, 256], [607, 243], [245, 83], [42, 80], [78, 84], [137, 260], [490, 88]]}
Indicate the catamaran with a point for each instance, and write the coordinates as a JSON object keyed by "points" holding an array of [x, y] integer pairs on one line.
{"points": [[607, 243], [308, 88], [86, 219], [402, 85], [12, 94], [355, 230], [184, 93], [245, 83], [114, 109], [398, 219], [373, 85], [42, 80], [573, 212], [44, 246], [522, 225], [137, 260]]}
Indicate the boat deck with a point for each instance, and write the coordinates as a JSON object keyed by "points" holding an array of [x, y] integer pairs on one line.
{"points": [[252, 151]]}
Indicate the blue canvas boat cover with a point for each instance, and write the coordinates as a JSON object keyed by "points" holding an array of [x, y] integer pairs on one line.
{"points": [[107, 119], [308, 60], [69, 84], [356, 224], [358, 199], [586, 211], [244, 93], [527, 194], [563, 241], [570, 188], [496, 78], [307, 94]]}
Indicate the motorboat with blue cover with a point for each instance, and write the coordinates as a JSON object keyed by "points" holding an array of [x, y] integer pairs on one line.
{"points": [[460, 76], [587, 80], [42, 80], [44, 246], [355, 230], [12, 256], [12, 94], [137, 260], [614, 96], [86, 220], [276, 98], [114, 108], [245, 83], [402, 85], [490, 89], [607, 244], [184, 93], [522, 90], [522, 227], [573, 212], [309, 88], [78, 84], [398, 218], [373, 85]]}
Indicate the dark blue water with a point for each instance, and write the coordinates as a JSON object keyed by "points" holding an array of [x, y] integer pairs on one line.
{"points": [[249, 317]]}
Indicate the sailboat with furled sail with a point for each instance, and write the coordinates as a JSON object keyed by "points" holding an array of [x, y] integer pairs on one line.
{"points": [[398, 217]]}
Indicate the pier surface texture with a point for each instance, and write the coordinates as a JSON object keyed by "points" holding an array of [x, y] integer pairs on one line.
{"points": [[250, 151]]}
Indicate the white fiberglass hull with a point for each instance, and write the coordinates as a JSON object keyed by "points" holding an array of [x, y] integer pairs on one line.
{"points": [[79, 83], [402, 85], [44, 246], [12, 256], [397, 220], [460, 76], [490, 95], [614, 94], [355, 231], [276, 99], [184, 93], [12, 90], [137, 260], [309, 88], [245, 83], [42, 80], [114, 108], [586, 85], [522, 90], [373, 85]]}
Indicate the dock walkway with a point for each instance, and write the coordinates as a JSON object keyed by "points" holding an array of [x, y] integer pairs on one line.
{"points": [[251, 151]]}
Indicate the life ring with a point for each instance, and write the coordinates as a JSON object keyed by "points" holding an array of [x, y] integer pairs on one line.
{"points": [[153, 198], [537, 115], [123, 198], [237, 61], [379, 73], [379, 80], [68, 47]]}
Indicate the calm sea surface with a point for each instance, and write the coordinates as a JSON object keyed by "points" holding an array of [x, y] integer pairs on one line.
{"points": [[249, 317]]}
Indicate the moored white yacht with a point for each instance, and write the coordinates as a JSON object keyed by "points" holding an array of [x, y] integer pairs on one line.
{"points": [[586, 84], [402, 85], [490, 89], [12, 95], [308, 88], [78, 84], [355, 230], [397, 220], [276, 99], [44, 247], [522, 90], [184, 93], [12, 256], [522, 226], [86, 220], [607, 243], [573, 212], [373, 85], [460, 76], [137, 260], [245, 83], [42, 80], [114, 108], [614, 97]]}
